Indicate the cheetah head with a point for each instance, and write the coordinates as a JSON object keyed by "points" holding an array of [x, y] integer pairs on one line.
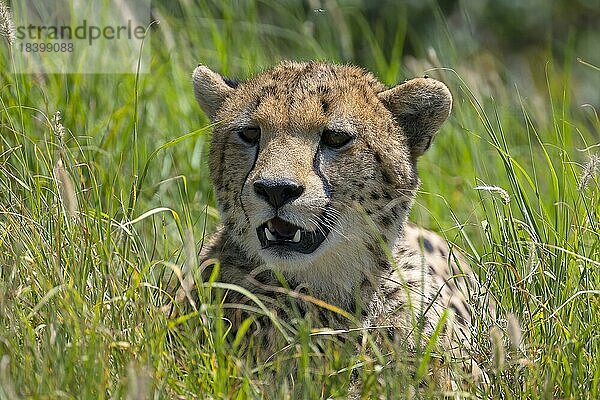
{"points": [[313, 161]]}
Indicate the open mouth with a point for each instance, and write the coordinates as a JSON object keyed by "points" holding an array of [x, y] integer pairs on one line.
{"points": [[279, 233]]}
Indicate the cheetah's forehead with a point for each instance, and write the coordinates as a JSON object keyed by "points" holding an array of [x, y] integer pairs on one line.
{"points": [[305, 97], [318, 77]]}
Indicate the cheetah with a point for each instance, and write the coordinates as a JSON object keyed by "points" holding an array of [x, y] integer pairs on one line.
{"points": [[314, 167]]}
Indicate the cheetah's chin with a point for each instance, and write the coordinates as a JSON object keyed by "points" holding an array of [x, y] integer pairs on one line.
{"points": [[283, 236]]}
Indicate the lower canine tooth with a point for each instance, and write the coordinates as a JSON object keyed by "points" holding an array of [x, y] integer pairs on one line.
{"points": [[269, 235], [296, 238]]}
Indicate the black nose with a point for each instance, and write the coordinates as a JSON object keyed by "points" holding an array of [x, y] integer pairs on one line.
{"points": [[278, 192]]}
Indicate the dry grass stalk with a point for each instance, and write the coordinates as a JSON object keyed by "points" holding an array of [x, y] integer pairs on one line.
{"points": [[64, 182]]}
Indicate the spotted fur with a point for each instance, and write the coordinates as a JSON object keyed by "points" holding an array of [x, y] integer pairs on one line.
{"points": [[373, 264]]}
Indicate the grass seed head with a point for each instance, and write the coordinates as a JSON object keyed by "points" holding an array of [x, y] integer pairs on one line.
{"points": [[515, 334], [7, 27], [589, 173], [66, 189], [496, 189], [57, 127], [498, 355]]}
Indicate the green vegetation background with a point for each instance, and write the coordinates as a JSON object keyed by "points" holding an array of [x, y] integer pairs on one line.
{"points": [[99, 208]]}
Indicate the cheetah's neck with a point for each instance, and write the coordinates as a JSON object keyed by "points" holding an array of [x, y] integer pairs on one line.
{"points": [[341, 278]]}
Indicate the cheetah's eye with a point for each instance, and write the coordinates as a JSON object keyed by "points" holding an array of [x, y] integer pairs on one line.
{"points": [[335, 139], [250, 135]]}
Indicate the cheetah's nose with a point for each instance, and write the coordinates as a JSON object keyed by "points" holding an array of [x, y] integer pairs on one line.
{"points": [[278, 192]]}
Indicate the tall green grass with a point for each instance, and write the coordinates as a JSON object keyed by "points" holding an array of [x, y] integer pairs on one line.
{"points": [[102, 207]]}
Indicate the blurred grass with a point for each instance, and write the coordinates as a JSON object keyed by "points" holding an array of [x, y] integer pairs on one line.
{"points": [[79, 294]]}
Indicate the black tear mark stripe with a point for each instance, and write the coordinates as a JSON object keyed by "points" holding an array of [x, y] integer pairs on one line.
{"points": [[317, 169], [246, 179]]}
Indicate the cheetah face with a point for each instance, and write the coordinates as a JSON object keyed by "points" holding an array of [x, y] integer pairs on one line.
{"points": [[296, 199], [315, 160], [290, 200]]}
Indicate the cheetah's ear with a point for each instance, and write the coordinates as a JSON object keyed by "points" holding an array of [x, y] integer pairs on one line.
{"points": [[211, 90], [420, 106]]}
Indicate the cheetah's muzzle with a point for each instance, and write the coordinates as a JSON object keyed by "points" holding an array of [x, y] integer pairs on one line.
{"points": [[283, 236]]}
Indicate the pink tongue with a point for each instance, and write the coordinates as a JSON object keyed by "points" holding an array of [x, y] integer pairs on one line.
{"points": [[283, 228]]}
